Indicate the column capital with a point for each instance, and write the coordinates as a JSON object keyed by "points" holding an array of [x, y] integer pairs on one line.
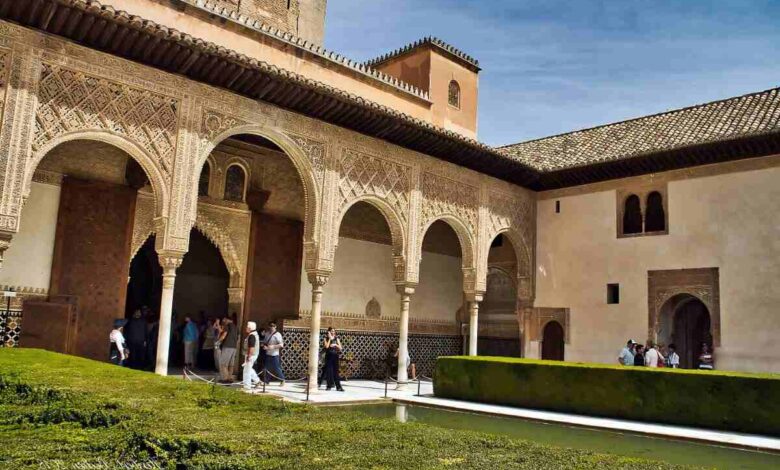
{"points": [[318, 278], [406, 288], [475, 296], [170, 260]]}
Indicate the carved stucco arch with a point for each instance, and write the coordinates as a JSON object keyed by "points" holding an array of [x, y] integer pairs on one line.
{"points": [[300, 161], [523, 256], [393, 219], [466, 239], [149, 164]]}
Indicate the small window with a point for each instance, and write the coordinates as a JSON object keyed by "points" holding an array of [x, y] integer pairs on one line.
{"points": [[235, 180], [454, 94], [655, 218], [632, 215], [557, 207], [203, 182], [613, 293]]}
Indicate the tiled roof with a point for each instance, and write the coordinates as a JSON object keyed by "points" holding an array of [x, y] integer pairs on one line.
{"points": [[739, 117], [430, 40]]}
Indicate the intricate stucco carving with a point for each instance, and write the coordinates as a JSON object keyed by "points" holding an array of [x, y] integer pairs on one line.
{"points": [[314, 150], [361, 174], [143, 222], [5, 56], [515, 216], [214, 123], [701, 283], [228, 230], [70, 100]]}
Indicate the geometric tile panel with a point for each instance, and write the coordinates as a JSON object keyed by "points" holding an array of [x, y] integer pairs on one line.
{"points": [[10, 328], [365, 353]]}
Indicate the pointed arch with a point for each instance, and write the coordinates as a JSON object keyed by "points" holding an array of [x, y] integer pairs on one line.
{"points": [[299, 159], [467, 246], [150, 165], [524, 257]]}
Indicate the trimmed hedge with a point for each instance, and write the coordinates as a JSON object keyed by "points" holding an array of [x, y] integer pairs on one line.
{"points": [[710, 399]]}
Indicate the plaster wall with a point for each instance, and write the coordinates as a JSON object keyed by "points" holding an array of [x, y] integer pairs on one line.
{"points": [[364, 270], [730, 221], [27, 262]]}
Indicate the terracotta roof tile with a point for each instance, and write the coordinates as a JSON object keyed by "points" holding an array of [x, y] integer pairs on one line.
{"points": [[742, 116]]}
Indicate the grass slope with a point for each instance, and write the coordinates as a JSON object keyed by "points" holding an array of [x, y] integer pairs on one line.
{"points": [[59, 411]]}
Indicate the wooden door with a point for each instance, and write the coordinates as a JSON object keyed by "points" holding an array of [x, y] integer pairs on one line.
{"points": [[691, 329], [552, 341]]}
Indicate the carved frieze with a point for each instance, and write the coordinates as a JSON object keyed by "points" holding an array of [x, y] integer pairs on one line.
{"points": [[71, 100]]}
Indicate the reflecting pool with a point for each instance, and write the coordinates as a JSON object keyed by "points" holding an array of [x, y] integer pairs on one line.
{"points": [[632, 445]]}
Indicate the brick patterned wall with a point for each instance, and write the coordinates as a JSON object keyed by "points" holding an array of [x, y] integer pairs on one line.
{"points": [[91, 257]]}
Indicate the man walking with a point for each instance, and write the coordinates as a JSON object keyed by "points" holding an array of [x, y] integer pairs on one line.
{"points": [[626, 356], [227, 354], [190, 337], [252, 348], [273, 363]]}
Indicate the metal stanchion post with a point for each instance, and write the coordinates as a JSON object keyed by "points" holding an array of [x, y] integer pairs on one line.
{"points": [[419, 381], [307, 386], [385, 386], [265, 378]]}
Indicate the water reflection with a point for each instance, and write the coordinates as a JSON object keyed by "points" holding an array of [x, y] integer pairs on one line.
{"points": [[401, 413]]}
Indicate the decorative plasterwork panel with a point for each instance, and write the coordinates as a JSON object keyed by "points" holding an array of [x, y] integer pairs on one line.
{"points": [[214, 123], [515, 216], [314, 150], [361, 175], [701, 283], [143, 223], [70, 100], [443, 196], [539, 317], [5, 57]]}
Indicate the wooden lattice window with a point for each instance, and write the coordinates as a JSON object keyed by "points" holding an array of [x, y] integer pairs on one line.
{"points": [[235, 181], [454, 94]]}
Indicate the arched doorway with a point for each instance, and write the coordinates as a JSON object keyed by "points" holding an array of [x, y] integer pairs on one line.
{"points": [[200, 293], [686, 323], [553, 341], [497, 310]]}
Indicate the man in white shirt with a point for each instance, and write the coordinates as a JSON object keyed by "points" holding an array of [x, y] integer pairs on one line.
{"points": [[273, 363], [651, 356], [674, 358]]}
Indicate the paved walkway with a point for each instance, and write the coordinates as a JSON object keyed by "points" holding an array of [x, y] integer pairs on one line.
{"points": [[367, 391]]}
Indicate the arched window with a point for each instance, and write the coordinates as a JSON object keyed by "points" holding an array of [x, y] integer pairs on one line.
{"points": [[235, 180], [655, 218], [454, 94], [203, 182], [632, 215]]}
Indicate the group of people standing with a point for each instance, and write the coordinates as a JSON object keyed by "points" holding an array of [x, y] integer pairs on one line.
{"points": [[133, 342], [651, 355]]}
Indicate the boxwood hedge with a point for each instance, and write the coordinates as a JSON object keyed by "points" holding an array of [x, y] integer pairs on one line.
{"points": [[719, 400]]}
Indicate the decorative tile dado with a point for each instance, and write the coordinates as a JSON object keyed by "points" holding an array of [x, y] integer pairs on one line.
{"points": [[73, 100]]}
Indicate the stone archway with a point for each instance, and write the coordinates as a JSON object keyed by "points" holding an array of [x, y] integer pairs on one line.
{"points": [[685, 322], [700, 283]]}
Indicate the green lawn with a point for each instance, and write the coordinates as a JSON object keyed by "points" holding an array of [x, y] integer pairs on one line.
{"points": [[62, 409]]}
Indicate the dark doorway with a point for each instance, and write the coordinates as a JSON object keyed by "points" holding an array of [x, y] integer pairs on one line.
{"points": [[552, 341], [691, 329], [145, 286]]}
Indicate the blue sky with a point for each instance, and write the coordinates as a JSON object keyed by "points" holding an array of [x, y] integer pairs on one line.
{"points": [[553, 66]]}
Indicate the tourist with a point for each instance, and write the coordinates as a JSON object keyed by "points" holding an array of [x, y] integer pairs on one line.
{"points": [[407, 360], [151, 341], [332, 345], [227, 339], [706, 358], [273, 364], [135, 334], [639, 357], [626, 356], [207, 348], [190, 338], [651, 355], [673, 359], [118, 347], [216, 331], [252, 348]]}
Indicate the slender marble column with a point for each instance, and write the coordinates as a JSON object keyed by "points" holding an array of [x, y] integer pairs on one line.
{"points": [[317, 282], [403, 335], [169, 264], [474, 323]]}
